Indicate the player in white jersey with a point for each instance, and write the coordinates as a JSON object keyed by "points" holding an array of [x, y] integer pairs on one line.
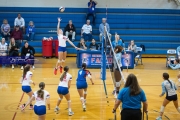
{"points": [[41, 97], [63, 90], [62, 48], [169, 88], [26, 81]]}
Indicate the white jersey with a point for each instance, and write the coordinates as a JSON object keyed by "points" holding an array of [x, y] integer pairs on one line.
{"points": [[168, 89], [66, 80], [27, 79], [62, 40], [40, 101]]}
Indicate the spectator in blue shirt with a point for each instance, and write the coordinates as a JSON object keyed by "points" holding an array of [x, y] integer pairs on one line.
{"points": [[176, 64], [91, 10], [131, 97], [30, 31], [101, 29], [118, 42]]}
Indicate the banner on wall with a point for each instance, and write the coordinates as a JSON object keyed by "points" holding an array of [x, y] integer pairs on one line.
{"points": [[95, 59]]}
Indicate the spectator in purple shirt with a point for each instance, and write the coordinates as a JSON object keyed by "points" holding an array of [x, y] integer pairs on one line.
{"points": [[91, 10], [17, 35], [5, 29]]}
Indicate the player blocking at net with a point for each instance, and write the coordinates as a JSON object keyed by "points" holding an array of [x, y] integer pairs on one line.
{"points": [[62, 52]]}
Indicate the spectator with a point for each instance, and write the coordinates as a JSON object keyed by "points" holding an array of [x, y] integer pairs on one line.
{"points": [[3, 47], [27, 52], [13, 49], [70, 30], [19, 21], [93, 45], [17, 35], [5, 29], [118, 42], [91, 10], [82, 44], [3, 52], [132, 47], [101, 29], [131, 97], [86, 31], [176, 64], [30, 31]]}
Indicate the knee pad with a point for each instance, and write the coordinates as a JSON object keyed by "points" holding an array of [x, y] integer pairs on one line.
{"points": [[85, 92], [118, 84], [69, 101], [63, 60], [59, 99], [59, 61], [178, 109], [81, 98], [162, 109]]}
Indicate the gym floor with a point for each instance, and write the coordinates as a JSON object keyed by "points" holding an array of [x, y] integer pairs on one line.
{"points": [[98, 106]]}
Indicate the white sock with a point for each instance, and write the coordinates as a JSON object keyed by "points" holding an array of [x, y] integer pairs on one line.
{"points": [[178, 109], [69, 109], [57, 107]]}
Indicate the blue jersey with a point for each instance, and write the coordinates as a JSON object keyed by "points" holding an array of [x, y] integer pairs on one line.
{"points": [[82, 75]]}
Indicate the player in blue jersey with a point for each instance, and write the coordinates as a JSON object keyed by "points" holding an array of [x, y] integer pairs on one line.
{"points": [[117, 74], [168, 87], [81, 84]]}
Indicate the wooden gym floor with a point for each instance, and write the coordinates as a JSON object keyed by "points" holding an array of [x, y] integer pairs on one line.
{"points": [[98, 106]]}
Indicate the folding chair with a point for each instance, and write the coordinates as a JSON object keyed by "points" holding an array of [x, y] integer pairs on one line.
{"points": [[171, 55], [139, 55]]}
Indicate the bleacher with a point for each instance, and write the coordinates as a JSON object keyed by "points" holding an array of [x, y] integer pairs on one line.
{"points": [[157, 29]]}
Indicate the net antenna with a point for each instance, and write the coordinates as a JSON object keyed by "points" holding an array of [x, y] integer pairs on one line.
{"points": [[111, 47]]}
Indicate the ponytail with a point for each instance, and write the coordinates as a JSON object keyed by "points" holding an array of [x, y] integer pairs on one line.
{"points": [[26, 69], [40, 92], [62, 76], [66, 68], [166, 77], [84, 66], [170, 83]]}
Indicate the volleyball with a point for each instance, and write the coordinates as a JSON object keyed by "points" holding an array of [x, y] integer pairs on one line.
{"points": [[61, 9]]}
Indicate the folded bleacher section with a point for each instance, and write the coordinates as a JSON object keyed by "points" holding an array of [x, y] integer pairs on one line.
{"points": [[157, 29]]}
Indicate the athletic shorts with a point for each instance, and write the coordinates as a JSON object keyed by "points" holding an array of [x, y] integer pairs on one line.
{"points": [[172, 98], [61, 49], [81, 84], [62, 90], [131, 114], [40, 110], [118, 69], [26, 89]]}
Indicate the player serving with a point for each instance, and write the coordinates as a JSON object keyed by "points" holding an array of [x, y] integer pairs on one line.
{"points": [[62, 48]]}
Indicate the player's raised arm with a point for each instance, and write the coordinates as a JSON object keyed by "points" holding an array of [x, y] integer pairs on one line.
{"points": [[58, 25]]}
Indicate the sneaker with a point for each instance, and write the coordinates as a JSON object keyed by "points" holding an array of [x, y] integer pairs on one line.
{"points": [[55, 71], [84, 107], [61, 68], [33, 67], [71, 113], [21, 67], [114, 91], [159, 118], [56, 109], [22, 106], [12, 66], [31, 107]]}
